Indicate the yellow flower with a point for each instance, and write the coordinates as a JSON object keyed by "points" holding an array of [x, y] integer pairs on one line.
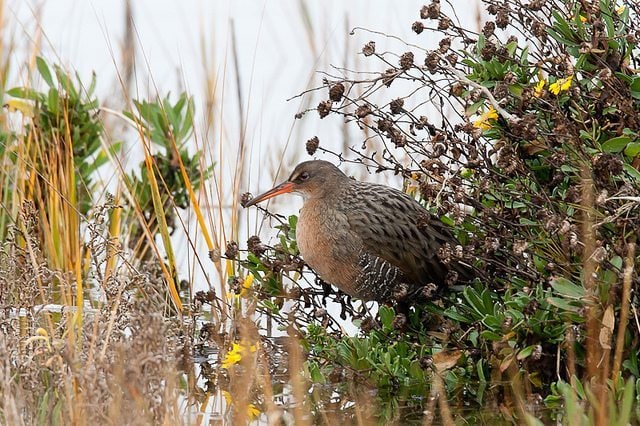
{"points": [[246, 285], [229, 267], [244, 290], [238, 350], [539, 88], [25, 107], [561, 85], [253, 412], [483, 122], [233, 356], [413, 184], [620, 9]]}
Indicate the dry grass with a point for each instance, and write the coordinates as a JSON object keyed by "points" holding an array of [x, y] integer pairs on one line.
{"points": [[99, 328]]}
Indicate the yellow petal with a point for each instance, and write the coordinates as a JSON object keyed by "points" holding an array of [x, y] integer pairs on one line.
{"points": [[252, 412], [566, 84], [25, 107], [539, 89], [483, 121], [246, 285]]}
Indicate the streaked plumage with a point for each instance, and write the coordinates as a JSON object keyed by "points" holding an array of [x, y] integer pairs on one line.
{"points": [[371, 241]]}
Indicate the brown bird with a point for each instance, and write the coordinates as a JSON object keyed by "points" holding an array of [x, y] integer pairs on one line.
{"points": [[371, 241]]}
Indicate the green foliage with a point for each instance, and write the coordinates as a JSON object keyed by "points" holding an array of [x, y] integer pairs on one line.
{"points": [[65, 118], [168, 127], [546, 158]]}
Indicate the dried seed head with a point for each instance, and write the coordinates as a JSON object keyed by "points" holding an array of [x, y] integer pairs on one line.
{"points": [[255, 246], [519, 247], [502, 18], [396, 106], [539, 30], [444, 44], [488, 51], [445, 253], [389, 75], [399, 321], [426, 362], [384, 124], [599, 255], [312, 145], [362, 111], [336, 91], [397, 137], [429, 291], [424, 11], [451, 278], [417, 27], [431, 62], [432, 11], [295, 293], [605, 166], [367, 324], [457, 89], [232, 250], [324, 108], [488, 29], [406, 60], [369, 48], [244, 198], [235, 285], [444, 23]]}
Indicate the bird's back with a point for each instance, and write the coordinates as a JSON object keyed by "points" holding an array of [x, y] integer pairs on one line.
{"points": [[397, 235]]}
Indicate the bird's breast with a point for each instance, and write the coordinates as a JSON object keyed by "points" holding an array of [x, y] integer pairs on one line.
{"points": [[325, 244]]}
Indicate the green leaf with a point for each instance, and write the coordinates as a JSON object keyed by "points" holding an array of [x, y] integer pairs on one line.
{"points": [[24, 93], [314, 372], [563, 304], [525, 353], [632, 171], [386, 316], [456, 316], [474, 107], [627, 403], [566, 288], [44, 71], [632, 150], [616, 144], [490, 335]]}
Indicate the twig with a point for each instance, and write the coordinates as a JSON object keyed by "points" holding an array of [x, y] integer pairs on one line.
{"points": [[624, 309]]}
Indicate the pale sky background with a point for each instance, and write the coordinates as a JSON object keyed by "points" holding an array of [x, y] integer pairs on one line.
{"points": [[279, 56]]}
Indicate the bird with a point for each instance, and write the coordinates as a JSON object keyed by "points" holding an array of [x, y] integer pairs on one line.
{"points": [[371, 241]]}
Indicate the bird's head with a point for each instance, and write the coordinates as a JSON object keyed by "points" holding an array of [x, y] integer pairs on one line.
{"points": [[311, 179]]}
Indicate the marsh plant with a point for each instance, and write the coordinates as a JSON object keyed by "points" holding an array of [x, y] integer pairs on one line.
{"points": [[522, 137]]}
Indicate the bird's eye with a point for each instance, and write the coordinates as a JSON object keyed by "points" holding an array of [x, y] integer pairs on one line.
{"points": [[303, 176]]}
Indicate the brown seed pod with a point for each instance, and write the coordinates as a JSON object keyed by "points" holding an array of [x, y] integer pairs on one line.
{"points": [[406, 60], [369, 48], [324, 108], [312, 145], [336, 92]]}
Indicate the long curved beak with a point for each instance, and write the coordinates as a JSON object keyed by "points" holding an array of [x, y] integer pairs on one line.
{"points": [[283, 188]]}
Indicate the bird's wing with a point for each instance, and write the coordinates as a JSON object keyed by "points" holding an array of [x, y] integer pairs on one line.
{"points": [[396, 228]]}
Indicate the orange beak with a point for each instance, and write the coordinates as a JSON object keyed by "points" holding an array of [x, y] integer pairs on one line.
{"points": [[283, 188]]}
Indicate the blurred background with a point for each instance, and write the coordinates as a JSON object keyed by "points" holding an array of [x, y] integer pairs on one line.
{"points": [[250, 66]]}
